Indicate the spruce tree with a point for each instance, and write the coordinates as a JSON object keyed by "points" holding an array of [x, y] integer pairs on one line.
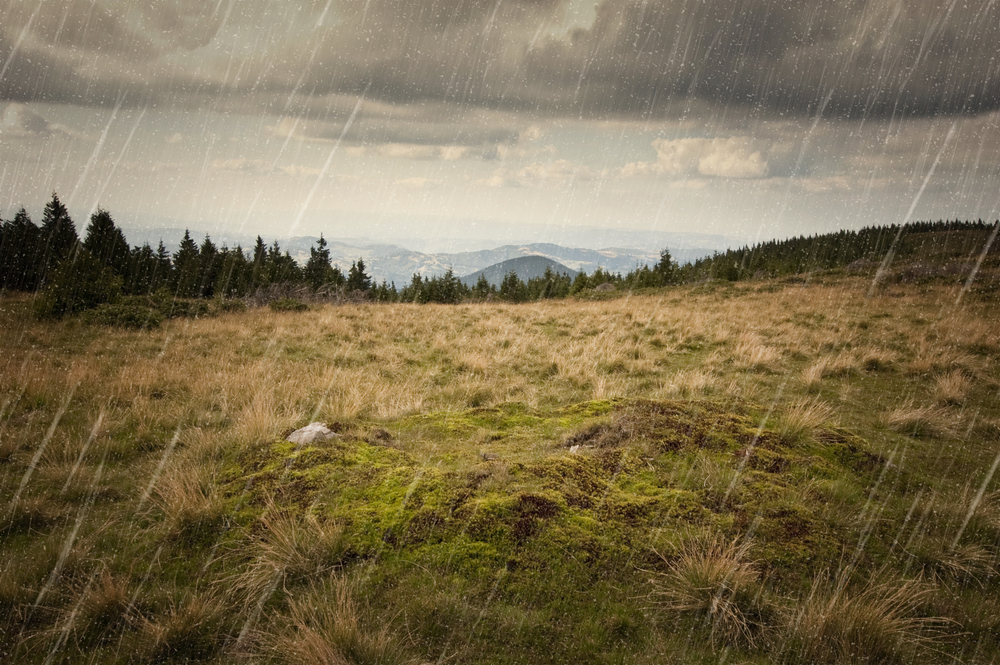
{"points": [[19, 240], [107, 242], [357, 278], [186, 268], [318, 271], [58, 238]]}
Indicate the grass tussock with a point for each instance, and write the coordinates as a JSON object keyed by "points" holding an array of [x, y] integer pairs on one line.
{"points": [[800, 421], [921, 421], [879, 623], [715, 581], [325, 626], [192, 629], [290, 549], [191, 507], [952, 388]]}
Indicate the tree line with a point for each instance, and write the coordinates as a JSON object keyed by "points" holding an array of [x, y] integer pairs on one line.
{"points": [[75, 275]]}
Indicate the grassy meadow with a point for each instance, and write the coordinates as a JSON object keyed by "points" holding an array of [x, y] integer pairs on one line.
{"points": [[791, 471]]}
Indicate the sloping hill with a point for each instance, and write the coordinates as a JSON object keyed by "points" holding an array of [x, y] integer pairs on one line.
{"points": [[525, 267]]}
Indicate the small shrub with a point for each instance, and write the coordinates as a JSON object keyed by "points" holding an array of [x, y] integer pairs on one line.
{"points": [[191, 309], [81, 282], [230, 305], [288, 305], [124, 315]]}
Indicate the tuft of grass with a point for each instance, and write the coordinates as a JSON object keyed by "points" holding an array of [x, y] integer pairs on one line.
{"points": [[880, 623], [802, 419], [190, 630], [324, 627], [193, 512], [751, 354], [952, 388], [292, 548], [921, 421], [713, 579]]}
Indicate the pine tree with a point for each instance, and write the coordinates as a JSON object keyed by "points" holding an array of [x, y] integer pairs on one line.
{"points": [[19, 240], [357, 278], [483, 288], [318, 271], [186, 268], [58, 237], [208, 268], [107, 242]]}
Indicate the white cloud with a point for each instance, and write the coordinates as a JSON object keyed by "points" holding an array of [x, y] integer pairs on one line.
{"points": [[418, 183], [734, 157], [544, 175]]}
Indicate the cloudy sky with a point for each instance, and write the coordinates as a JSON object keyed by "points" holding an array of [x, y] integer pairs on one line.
{"points": [[405, 118]]}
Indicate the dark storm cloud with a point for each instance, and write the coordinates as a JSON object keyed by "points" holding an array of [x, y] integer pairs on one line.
{"points": [[639, 58]]}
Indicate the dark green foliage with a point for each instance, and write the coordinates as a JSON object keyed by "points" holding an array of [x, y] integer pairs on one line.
{"points": [[483, 289], [445, 289], [107, 243], [79, 283], [385, 292], [148, 271], [318, 271], [512, 289], [288, 305], [57, 239], [549, 285], [357, 278], [186, 268], [19, 242], [124, 315], [208, 268]]}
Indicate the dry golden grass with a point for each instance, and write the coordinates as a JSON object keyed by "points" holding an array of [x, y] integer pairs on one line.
{"points": [[325, 628], [952, 388], [879, 623], [191, 508], [921, 421], [803, 419], [715, 580]]}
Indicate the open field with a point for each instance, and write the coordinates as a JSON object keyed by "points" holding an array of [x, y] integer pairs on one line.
{"points": [[769, 471]]}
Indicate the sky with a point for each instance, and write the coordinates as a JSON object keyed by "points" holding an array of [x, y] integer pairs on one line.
{"points": [[385, 119]]}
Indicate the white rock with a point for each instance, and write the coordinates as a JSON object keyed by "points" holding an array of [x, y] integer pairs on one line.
{"points": [[312, 433]]}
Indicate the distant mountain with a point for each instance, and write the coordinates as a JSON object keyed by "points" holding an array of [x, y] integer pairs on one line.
{"points": [[525, 267], [397, 264]]}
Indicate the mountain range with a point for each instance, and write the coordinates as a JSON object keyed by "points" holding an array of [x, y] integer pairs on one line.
{"points": [[393, 263], [525, 267]]}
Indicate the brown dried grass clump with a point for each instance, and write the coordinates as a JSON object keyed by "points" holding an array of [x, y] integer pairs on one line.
{"points": [[324, 627], [921, 421], [289, 549], [713, 578], [952, 388], [191, 507], [803, 419], [880, 623]]}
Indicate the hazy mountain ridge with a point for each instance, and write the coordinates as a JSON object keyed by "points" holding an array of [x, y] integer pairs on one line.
{"points": [[525, 267], [397, 264]]}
